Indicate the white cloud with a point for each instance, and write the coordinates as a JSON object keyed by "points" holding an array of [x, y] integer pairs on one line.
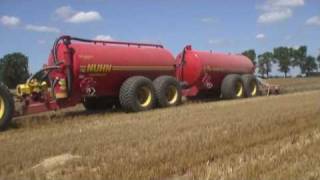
{"points": [[287, 3], [277, 10], [208, 20], [103, 37], [65, 12], [69, 15], [45, 29], [10, 21], [260, 36], [275, 16], [270, 5], [82, 17], [315, 20]]}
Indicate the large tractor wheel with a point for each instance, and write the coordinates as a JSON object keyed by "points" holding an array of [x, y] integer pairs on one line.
{"points": [[232, 87], [137, 94], [250, 85], [168, 91], [97, 103], [6, 107]]}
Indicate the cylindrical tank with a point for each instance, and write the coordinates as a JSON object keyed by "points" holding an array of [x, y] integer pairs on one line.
{"points": [[99, 67], [204, 70]]}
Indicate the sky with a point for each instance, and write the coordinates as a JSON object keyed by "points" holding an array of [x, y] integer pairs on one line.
{"points": [[227, 26]]}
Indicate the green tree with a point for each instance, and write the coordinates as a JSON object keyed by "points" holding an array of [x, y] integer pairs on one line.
{"points": [[1, 69], [299, 58], [265, 61], [251, 54], [14, 69], [310, 64], [283, 57], [318, 59]]}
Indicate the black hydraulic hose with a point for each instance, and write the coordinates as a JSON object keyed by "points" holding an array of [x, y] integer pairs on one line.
{"points": [[183, 60], [55, 48], [54, 51], [114, 42], [53, 85], [66, 40], [50, 68], [69, 80]]}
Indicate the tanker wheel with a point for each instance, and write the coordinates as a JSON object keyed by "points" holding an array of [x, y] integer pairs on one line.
{"points": [[250, 85], [97, 103], [168, 91], [6, 107], [137, 94], [232, 87]]}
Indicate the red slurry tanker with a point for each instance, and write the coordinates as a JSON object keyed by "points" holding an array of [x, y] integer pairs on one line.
{"points": [[134, 76], [215, 73]]}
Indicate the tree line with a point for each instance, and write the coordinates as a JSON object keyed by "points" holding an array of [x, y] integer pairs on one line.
{"points": [[286, 58]]}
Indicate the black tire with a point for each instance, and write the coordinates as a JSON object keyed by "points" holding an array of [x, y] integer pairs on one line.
{"points": [[250, 84], [97, 103], [232, 87], [168, 91], [6, 107], [137, 94]]}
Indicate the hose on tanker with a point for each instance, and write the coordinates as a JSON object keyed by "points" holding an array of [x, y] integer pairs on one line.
{"points": [[69, 81], [54, 50], [183, 60], [66, 40], [115, 42], [50, 68]]}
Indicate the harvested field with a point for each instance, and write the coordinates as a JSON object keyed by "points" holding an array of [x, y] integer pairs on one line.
{"points": [[290, 85], [276, 137]]}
